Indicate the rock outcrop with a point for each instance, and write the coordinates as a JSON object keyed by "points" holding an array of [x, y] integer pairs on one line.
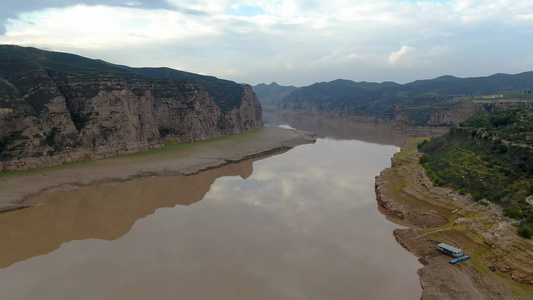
{"points": [[441, 117], [448, 116], [53, 113]]}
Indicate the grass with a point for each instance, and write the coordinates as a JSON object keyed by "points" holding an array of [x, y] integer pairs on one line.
{"points": [[404, 186], [405, 157]]}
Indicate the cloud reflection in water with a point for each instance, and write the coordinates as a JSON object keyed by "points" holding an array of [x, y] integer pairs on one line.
{"points": [[304, 225]]}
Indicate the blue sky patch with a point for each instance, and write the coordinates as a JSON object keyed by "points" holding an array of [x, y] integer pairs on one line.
{"points": [[246, 11]]}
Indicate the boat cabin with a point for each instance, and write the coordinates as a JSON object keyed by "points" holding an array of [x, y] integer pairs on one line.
{"points": [[450, 250]]}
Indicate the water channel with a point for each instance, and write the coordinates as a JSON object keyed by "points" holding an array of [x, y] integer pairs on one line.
{"points": [[303, 224]]}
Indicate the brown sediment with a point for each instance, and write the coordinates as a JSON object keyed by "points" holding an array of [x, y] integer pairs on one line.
{"points": [[17, 189], [111, 212], [438, 214]]}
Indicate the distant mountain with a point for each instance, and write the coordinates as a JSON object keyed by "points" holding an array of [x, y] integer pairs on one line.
{"points": [[497, 83], [271, 94], [419, 99], [337, 94], [365, 85]]}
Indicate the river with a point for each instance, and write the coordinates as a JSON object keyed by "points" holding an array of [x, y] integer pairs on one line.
{"points": [[303, 224]]}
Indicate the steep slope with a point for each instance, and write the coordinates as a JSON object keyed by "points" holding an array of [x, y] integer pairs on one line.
{"points": [[58, 107], [489, 156]]}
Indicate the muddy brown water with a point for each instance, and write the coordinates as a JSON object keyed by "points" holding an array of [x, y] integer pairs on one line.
{"points": [[303, 224]]}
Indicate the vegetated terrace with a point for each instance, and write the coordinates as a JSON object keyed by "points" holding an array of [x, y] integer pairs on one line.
{"points": [[488, 156]]}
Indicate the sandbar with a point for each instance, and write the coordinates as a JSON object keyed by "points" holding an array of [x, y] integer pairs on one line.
{"points": [[176, 160]]}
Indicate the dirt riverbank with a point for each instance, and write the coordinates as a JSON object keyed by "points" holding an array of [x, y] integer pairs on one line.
{"points": [[436, 214], [176, 160]]}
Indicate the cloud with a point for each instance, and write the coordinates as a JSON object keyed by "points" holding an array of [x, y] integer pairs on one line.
{"points": [[336, 57], [15, 8], [102, 26], [396, 56], [288, 41]]}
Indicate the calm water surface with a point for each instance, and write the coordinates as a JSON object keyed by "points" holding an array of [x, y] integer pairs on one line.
{"points": [[299, 225]]}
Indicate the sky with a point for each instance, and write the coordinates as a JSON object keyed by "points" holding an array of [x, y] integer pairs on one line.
{"points": [[291, 42]]}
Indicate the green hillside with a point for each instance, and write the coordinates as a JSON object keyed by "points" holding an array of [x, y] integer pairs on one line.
{"points": [[489, 156], [418, 99], [63, 62], [16, 62]]}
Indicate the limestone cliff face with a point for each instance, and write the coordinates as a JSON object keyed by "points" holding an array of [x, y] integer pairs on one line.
{"points": [[197, 117], [456, 115], [54, 117], [243, 117]]}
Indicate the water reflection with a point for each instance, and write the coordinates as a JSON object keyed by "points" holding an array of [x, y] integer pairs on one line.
{"points": [[106, 212], [304, 225], [338, 128]]}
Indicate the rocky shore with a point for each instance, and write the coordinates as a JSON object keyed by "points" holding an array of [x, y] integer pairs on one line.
{"points": [[178, 160], [436, 214]]}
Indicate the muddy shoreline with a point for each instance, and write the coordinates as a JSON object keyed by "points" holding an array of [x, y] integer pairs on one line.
{"points": [[436, 214], [18, 188]]}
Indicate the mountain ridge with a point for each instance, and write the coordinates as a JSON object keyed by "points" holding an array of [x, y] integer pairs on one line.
{"points": [[415, 102], [271, 94]]}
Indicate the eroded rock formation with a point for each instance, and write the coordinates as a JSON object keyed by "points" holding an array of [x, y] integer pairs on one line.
{"points": [[49, 115]]}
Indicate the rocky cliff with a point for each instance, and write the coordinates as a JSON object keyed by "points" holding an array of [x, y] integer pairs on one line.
{"points": [[448, 116], [57, 108]]}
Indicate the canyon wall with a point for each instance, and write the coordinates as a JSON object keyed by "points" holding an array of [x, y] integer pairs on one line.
{"points": [[448, 116], [50, 117]]}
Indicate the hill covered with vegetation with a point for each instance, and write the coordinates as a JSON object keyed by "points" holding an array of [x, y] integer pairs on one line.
{"points": [[489, 156], [417, 102], [15, 60]]}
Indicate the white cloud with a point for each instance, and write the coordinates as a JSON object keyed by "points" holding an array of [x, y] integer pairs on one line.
{"points": [[103, 26], [291, 41], [396, 56], [337, 57]]}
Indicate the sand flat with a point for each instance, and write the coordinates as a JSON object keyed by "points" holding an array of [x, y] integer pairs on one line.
{"points": [[181, 160]]}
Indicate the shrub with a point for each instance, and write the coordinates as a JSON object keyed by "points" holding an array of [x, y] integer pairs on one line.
{"points": [[420, 145], [514, 213], [525, 231], [476, 196], [502, 148]]}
